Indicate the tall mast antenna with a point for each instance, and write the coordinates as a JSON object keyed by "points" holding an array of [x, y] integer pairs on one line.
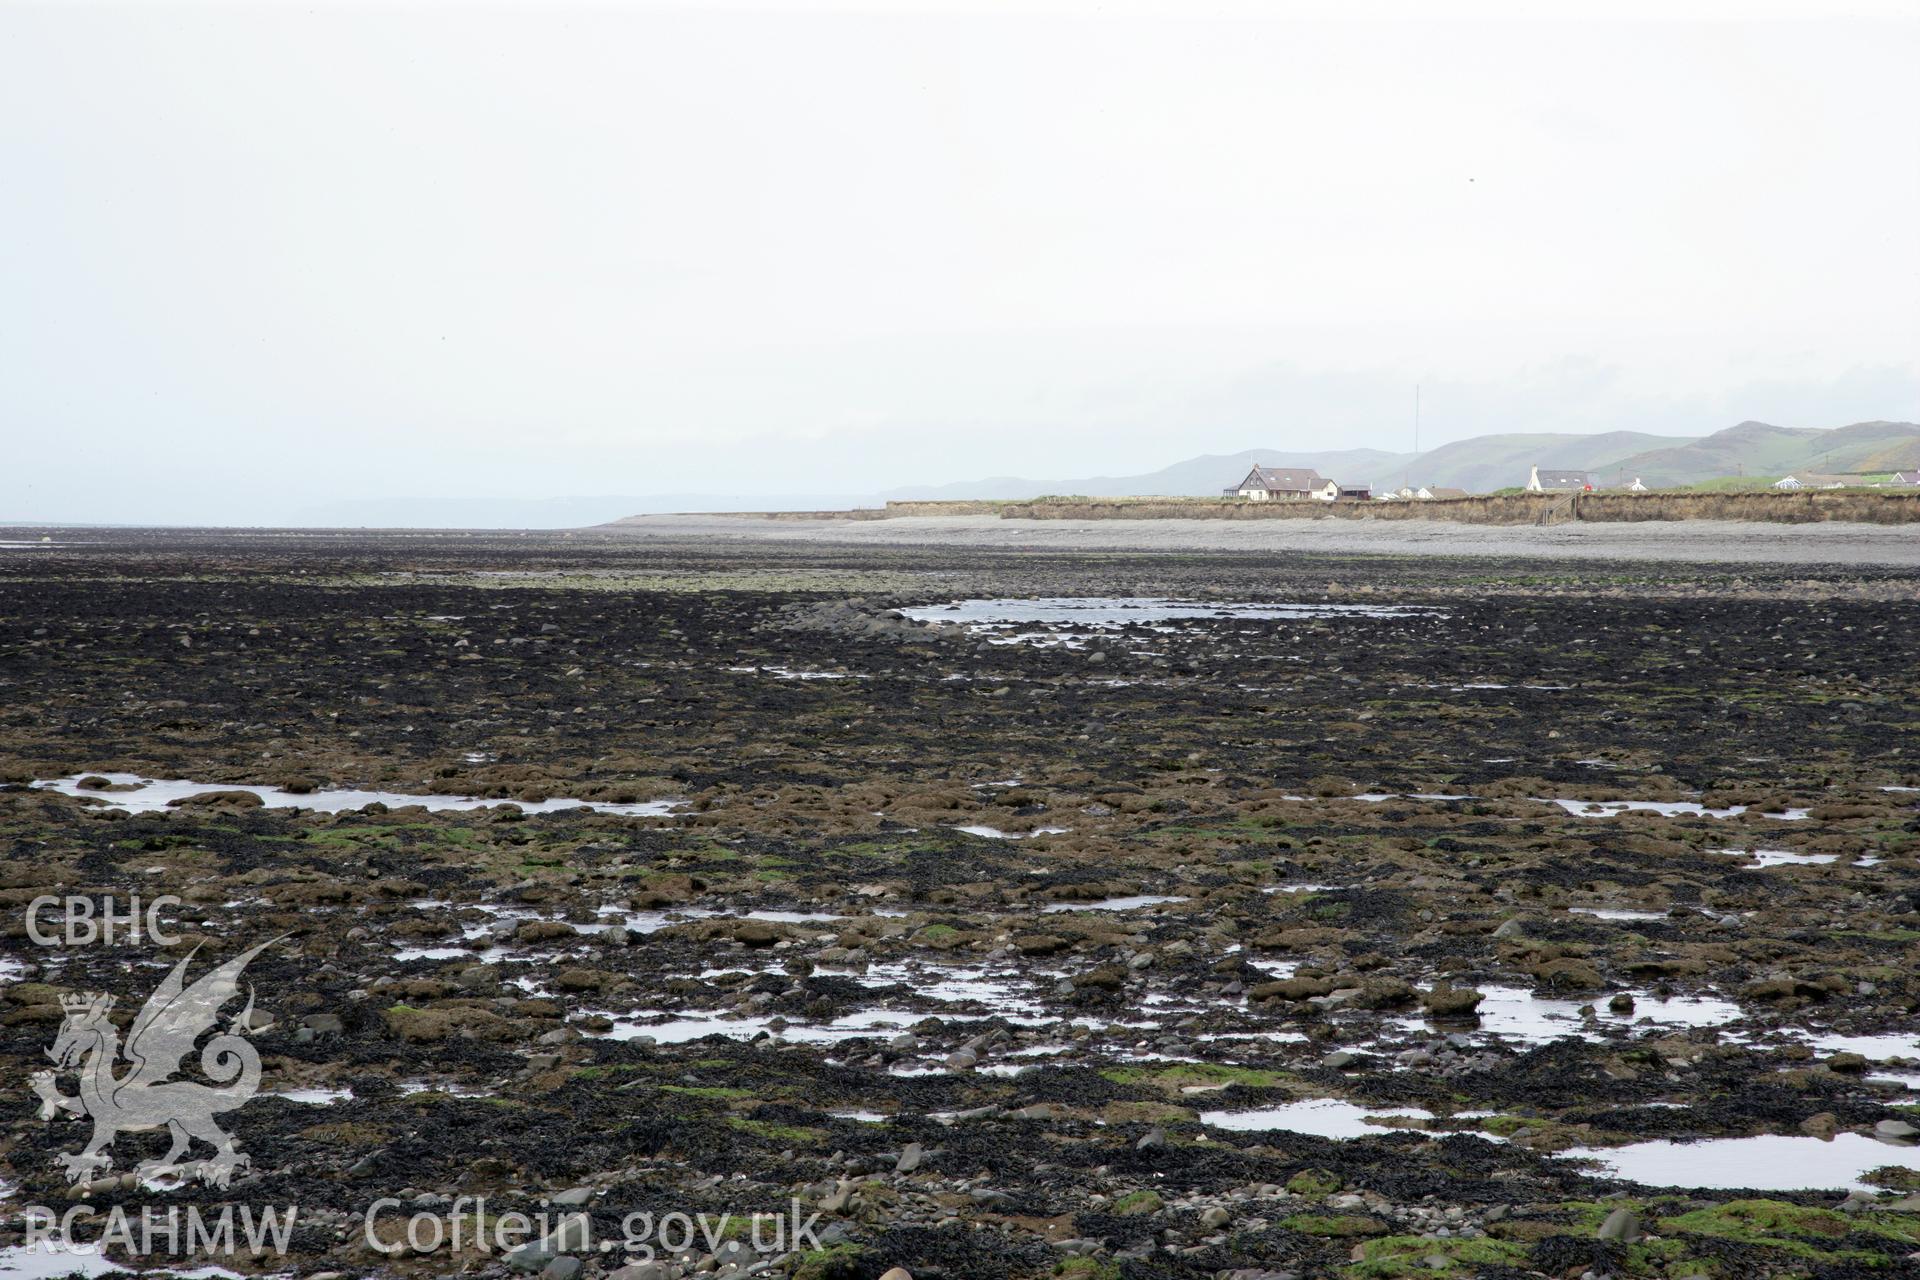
{"points": [[1408, 478]]}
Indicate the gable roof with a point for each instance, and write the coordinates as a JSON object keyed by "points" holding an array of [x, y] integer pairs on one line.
{"points": [[1560, 479], [1284, 479]]}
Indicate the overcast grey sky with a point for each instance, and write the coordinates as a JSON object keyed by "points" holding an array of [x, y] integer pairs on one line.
{"points": [[256, 258]]}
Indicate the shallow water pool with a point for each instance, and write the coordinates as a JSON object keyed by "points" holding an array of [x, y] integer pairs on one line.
{"points": [[1617, 913], [150, 795], [1109, 612], [1665, 808], [1780, 857], [1515, 1013], [1133, 903], [1769, 1162], [1320, 1117]]}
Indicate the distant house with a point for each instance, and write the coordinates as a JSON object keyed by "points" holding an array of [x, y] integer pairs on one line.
{"points": [[1334, 491], [1820, 480], [1559, 481], [1441, 494], [1282, 484], [1910, 476], [1636, 486]]}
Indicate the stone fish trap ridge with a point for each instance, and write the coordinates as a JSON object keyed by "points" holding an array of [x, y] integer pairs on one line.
{"points": [[1509, 1013], [1001, 991], [1512, 1014]]}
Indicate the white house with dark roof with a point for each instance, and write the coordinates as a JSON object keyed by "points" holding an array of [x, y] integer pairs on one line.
{"points": [[1296, 484], [1282, 484], [1539, 481]]}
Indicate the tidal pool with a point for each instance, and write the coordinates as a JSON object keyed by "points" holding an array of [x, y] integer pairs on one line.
{"points": [[1769, 1162], [1781, 857], [313, 1097], [1515, 1013], [1376, 797], [678, 1028], [1665, 808], [1879, 1048], [1103, 613], [149, 795], [654, 921], [1000, 993], [53, 1262], [1320, 1117], [610, 917], [793, 917], [1488, 684], [1585, 808], [439, 953], [50, 1261], [1133, 903]]}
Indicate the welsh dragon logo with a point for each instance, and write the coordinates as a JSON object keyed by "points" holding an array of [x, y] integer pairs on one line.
{"points": [[142, 1098]]}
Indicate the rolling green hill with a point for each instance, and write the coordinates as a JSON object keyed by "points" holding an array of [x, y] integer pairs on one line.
{"points": [[1758, 449], [1485, 463]]}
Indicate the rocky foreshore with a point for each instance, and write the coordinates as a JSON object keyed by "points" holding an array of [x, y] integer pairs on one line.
{"points": [[1458, 917]]}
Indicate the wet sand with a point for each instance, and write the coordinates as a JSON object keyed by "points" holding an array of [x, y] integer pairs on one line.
{"points": [[1702, 541]]}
